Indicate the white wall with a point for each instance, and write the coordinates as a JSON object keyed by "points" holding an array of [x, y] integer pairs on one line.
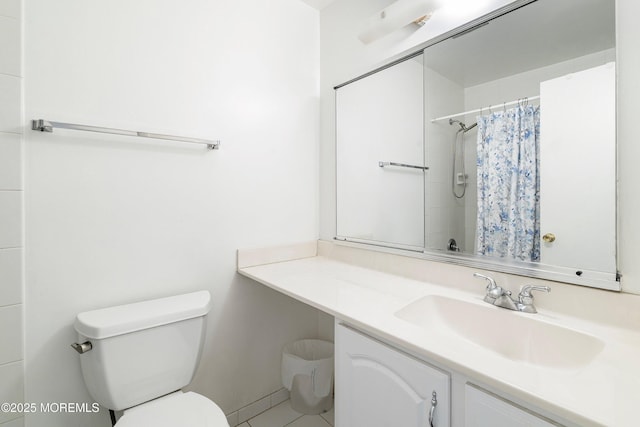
{"points": [[11, 212], [113, 220]]}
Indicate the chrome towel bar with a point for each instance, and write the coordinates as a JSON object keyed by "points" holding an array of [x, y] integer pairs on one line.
{"points": [[402, 165], [47, 126]]}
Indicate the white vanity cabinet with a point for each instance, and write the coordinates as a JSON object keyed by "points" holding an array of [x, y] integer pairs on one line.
{"points": [[378, 386], [483, 409]]}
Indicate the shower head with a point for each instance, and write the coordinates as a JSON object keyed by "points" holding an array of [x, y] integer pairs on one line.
{"points": [[463, 127]]}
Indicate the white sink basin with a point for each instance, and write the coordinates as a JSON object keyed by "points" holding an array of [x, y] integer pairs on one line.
{"points": [[515, 336]]}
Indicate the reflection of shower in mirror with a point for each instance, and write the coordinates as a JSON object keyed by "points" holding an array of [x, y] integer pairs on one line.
{"points": [[458, 175]]}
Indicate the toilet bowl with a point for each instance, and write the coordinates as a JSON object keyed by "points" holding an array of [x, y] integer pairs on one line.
{"points": [[175, 410], [137, 358]]}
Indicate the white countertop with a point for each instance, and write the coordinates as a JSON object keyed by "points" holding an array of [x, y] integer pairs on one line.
{"points": [[604, 392]]}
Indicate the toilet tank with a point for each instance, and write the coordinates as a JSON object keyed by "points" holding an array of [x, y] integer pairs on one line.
{"points": [[144, 350]]}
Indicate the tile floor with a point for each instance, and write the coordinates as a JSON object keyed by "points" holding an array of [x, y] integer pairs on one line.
{"points": [[283, 415]]}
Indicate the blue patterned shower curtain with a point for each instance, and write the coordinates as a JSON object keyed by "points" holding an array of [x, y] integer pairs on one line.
{"points": [[508, 223]]}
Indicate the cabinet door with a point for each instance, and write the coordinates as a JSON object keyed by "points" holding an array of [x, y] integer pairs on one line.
{"points": [[485, 410], [378, 386]]}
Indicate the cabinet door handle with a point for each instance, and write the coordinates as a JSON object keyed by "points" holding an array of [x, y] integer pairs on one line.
{"points": [[434, 403]]}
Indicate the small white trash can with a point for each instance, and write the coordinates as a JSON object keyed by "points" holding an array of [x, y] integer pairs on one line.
{"points": [[307, 372]]}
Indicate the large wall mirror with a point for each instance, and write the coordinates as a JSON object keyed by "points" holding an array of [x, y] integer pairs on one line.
{"points": [[494, 147]]}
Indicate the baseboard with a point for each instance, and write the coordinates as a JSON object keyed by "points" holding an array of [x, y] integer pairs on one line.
{"points": [[259, 406]]}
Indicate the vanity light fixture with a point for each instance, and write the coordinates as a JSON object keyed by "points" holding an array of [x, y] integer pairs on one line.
{"points": [[397, 15]]}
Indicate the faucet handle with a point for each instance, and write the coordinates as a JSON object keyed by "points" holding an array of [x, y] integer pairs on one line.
{"points": [[493, 290], [525, 296], [492, 283]]}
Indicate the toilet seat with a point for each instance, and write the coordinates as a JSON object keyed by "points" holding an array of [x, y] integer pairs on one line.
{"points": [[175, 410]]}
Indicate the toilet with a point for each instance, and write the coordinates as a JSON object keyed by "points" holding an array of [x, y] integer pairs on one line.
{"points": [[137, 357]]}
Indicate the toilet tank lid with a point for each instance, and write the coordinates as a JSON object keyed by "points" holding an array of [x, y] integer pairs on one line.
{"points": [[122, 319]]}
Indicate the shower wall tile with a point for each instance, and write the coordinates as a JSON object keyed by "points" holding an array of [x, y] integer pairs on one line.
{"points": [[10, 276], [437, 240], [439, 172], [436, 197], [11, 212], [11, 388], [10, 219], [18, 422], [10, 46], [439, 219], [10, 161], [10, 8], [10, 104], [11, 333]]}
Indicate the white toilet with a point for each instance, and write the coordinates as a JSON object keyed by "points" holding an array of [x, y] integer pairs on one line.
{"points": [[137, 357]]}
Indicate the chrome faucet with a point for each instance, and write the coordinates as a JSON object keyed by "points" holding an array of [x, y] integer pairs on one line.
{"points": [[499, 297], [525, 299], [495, 294]]}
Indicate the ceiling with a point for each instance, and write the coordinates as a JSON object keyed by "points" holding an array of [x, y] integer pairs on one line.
{"points": [[540, 34], [318, 4]]}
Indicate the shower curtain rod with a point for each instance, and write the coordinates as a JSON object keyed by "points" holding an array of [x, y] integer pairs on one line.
{"points": [[47, 126], [478, 110]]}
